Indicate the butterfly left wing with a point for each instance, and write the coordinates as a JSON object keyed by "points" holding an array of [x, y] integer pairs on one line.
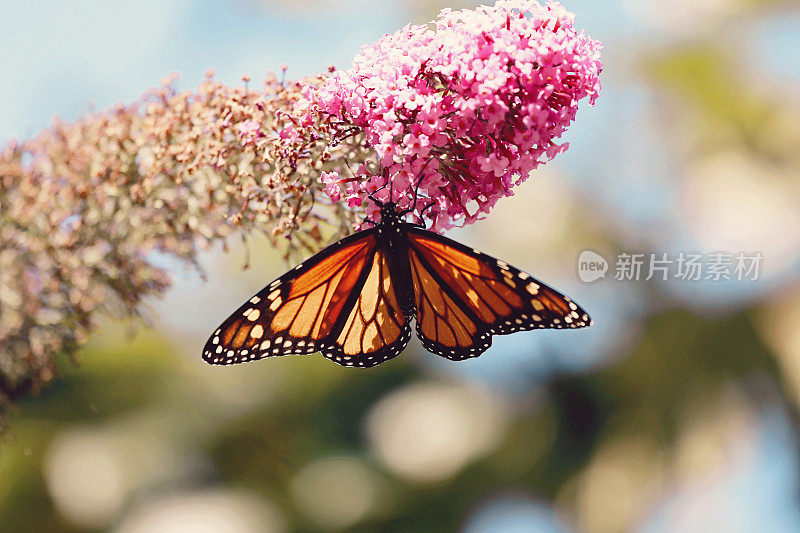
{"points": [[295, 313], [340, 302], [464, 297]]}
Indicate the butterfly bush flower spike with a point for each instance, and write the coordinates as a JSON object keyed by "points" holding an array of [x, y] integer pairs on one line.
{"points": [[468, 108], [85, 206]]}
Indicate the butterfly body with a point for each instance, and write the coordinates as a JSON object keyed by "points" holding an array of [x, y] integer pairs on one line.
{"points": [[355, 300], [392, 233]]}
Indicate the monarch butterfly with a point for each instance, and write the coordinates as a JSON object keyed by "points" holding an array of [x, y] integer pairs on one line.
{"points": [[354, 301]]}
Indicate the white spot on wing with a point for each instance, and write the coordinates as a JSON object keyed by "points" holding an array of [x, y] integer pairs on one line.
{"points": [[275, 304]]}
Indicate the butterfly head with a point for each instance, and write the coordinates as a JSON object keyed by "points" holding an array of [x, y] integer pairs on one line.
{"points": [[389, 213]]}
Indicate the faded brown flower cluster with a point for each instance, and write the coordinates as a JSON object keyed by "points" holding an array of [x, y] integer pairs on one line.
{"points": [[86, 208]]}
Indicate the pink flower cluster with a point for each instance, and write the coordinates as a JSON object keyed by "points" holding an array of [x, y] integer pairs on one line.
{"points": [[464, 111]]}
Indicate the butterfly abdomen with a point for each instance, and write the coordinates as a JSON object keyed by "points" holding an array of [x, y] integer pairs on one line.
{"points": [[392, 235]]}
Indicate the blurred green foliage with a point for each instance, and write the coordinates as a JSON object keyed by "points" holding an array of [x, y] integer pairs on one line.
{"points": [[681, 359]]}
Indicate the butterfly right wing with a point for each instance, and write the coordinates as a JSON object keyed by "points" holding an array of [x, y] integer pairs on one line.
{"points": [[297, 312], [464, 297]]}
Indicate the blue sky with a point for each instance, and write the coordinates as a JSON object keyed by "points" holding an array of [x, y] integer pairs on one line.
{"points": [[57, 58]]}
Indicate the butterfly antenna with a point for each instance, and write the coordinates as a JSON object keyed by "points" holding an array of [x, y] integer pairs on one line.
{"points": [[426, 208], [372, 197], [416, 195], [391, 185], [416, 189], [421, 214]]}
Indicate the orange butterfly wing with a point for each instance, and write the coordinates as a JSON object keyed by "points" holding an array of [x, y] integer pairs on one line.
{"points": [[340, 302], [375, 329], [464, 297]]}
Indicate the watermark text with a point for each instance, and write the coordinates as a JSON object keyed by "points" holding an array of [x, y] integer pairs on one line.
{"points": [[662, 266]]}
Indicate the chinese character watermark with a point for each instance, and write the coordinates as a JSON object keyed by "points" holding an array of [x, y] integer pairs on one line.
{"points": [[684, 266], [629, 266], [690, 266]]}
